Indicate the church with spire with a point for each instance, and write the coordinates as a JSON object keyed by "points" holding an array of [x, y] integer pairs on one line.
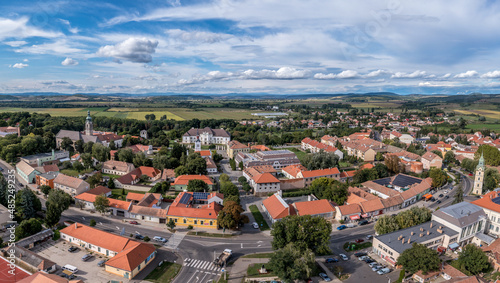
{"points": [[89, 135], [479, 177]]}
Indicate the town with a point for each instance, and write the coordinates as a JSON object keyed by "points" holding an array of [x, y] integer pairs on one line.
{"points": [[300, 193]]}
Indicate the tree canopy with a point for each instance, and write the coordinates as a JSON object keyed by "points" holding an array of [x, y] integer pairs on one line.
{"points": [[472, 260], [291, 263], [419, 257], [196, 185], [405, 219], [331, 189]]}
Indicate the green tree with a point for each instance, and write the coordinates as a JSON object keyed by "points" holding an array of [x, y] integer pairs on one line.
{"points": [[67, 144], [111, 183], [235, 198], [101, 203], [291, 264], [140, 159], [45, 190], [92, 223], [196, 185], [241, 166], [364, 175], [379, 156], [79, 146], [230, 215], [393, 164], [386, 224], [224, 178], [232, 163], [171, 224], [125, 155], [438, 153], [459, 195], [242, 180], [439, 177], [490, 153], [331, 189], [86, 159], [228, 188], [491, 179], [78, 166], [449, 157], [196, 164], [100, 152], [181, 170], [472, 260], [94, 180], [57, 202], [27, 204], [419, 257], [306, 232], [27, 228]]}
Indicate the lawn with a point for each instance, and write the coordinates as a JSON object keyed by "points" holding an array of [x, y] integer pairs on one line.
{"points": [[253, 270], [300, 154], [259, 255], [204, 234], [259, 218], [111, 175], [164, 273], [74, 173], [493, 127]]}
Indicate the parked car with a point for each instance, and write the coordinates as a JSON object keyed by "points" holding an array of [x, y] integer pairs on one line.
{"points": [[384, 271], [372, 264], [363, 257], [369, 237], [102, 262], [133, 222], [325, 277], [376, 268], [159, 239], [369, 260], [358, 254], [331, 260], [255, 225], [363, 222], [438, 202], [69, 277], [73, 249], [139, 236], [359, 241], [447, 197], [350, 225], [343, 256], [341, 227], [441, 195], [86, 257]]}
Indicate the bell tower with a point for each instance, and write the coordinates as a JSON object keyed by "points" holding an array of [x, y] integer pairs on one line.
{"points": [[89, 127], [479, 177], [197, 144]]}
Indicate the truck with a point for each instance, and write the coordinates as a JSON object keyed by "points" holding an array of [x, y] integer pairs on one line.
{"points": [[223, 257]]}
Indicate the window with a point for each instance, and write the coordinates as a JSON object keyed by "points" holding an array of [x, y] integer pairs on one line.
{"points": [[185, 221], [211, 223], [99, 249], [195, 222], [175, 220], [201, 222]]}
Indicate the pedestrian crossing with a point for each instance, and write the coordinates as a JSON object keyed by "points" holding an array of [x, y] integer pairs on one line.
{"points": [[201, 264]]}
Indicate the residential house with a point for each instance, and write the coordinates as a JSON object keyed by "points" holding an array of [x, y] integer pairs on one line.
{"points": [[348, 212], [26, 172], [347, 176], [292, 171], [181, 182], [322, 208], [128, 257], [168, 175], [310, 176], [148, 199], [234, 146], [46, 179], [71, 185], [30, 260], [430, 159], [119, 168], [276, 208], [117, 207], [192, 209], [262, 183], [490, 203], [100, 190], [5, 131], [149, 174]]}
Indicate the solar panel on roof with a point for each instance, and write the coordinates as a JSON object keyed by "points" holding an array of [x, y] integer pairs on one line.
{"points": [[200, 195], [383, 181], [496, 200], [185, 199], [403, 181]]}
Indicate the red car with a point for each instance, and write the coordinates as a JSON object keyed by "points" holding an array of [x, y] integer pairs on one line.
{"points": [[359, 241], [133, 222]]}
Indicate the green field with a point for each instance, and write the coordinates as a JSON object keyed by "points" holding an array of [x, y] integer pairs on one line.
{"points": [[164, 273]]}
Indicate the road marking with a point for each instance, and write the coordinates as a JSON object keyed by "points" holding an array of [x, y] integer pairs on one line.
{"points": [[192, 275]]}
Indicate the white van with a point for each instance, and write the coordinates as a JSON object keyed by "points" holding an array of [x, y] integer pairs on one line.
{"points": [[351, 225], [70, 267]]}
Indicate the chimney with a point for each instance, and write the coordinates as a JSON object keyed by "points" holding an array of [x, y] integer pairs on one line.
{"points": [[421, 235], [412, 233], [440, 231], [440, 227], [431, 224], [409, 239], [428, 232], [403, 241], [421, 229], [76, 226]]}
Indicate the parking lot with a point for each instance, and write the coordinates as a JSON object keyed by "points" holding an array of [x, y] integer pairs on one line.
{"points": [[87, 270], [360, 271]]}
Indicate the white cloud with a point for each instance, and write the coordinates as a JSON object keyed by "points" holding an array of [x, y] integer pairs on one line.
{"points": [[15, 43], [376, 73], [137, 50], [58, 47], [281, 73], [491, 75], [468, 74], [25, 60], [71, 29], [416, 74], [447, 75], [197, 36], [19, 65], [19, 28], [69, 62], [347, 74]]}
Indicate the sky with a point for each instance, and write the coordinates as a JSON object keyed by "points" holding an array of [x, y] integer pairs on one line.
{"points": [[250, 46]]}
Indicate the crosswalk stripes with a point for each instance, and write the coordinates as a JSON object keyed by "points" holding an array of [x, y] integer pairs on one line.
{"points": [[201, 264]]}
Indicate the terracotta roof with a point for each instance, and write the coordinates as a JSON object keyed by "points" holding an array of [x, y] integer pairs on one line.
{"points": [[205, 153], [260, 147], [314, 207], [50, 168], [353, 198], [487, 201], [99, 190], [206, 212], [429, 155], [184, 179], [381, 189], [131, 257], [69, 181], [118, 166], [234, 144], [350, 209], [294, 169], [347, 174], [392, 201], [265, 178], [408, 194], [451, 271], [264, 169], [137, 173], [372, 205], [277, 207], [42, 277], [321, 172], [115, 203], [149, 211], [168, 174], [134, 196]]}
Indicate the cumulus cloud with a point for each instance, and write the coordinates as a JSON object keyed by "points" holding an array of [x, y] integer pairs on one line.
{"points": [[283, 73], [416, 74], [69, 62], [445, 76], [468, 74], [491, 75], [347, 74], [376, 73], [137, 50], [19, 28], [19, 65]]}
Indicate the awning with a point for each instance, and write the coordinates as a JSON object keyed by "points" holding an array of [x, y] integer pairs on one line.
{"points": [[441, 249], [364, 215], [67, 272], [427, 196], [354, 217], [453, 246]]}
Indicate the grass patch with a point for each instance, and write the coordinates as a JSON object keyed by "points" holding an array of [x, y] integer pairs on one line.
{"points": [[253, 270], [205, 234], [301, 155], [259, 218], [117, 193], [74, 173], [402, 274], [259, 255], [164, 273], [349, 246], [296, 193], [111, 175]]}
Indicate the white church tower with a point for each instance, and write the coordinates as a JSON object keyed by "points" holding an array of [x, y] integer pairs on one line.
{"points": [[479, 177], [197, 144], [89, 128]]}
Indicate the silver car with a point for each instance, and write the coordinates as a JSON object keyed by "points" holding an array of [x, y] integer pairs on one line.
{"points": [[376, 268]]}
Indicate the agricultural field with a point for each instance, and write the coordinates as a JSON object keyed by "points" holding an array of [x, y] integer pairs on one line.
{"points": [[493, 114]]}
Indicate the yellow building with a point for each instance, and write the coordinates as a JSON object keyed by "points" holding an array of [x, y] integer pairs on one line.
{"points": [[233, 147], [196, 209], [128, 257]]}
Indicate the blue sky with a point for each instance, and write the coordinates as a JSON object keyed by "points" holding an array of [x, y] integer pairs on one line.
{"points": [[254, 46]]}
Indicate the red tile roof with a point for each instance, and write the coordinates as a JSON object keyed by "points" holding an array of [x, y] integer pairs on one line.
{"points": [[277, 207], [187, 210], [265, 178], [487, 201], [350, 209], [134, 196], [372, 205], [320, 172], [184, 179], [294, 169], [314, 207], [114, 203], [99, 190], [205, 153]]}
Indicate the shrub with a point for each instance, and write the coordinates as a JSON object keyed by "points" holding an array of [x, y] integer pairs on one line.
{"points": [[146, 239], [92, 223], [131, 235], [190, 227]]}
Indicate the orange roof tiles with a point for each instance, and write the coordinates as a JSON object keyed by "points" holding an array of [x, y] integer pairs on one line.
{"points": [[184, 179], [131, 257], [265, 178], [114, 203], [260, 147], [321, 172], [350, 209], [209, 211], [204, 153], [134, 196], [314, 207], [277, 207], [294, 169], [487, 201], [372, 205]]}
